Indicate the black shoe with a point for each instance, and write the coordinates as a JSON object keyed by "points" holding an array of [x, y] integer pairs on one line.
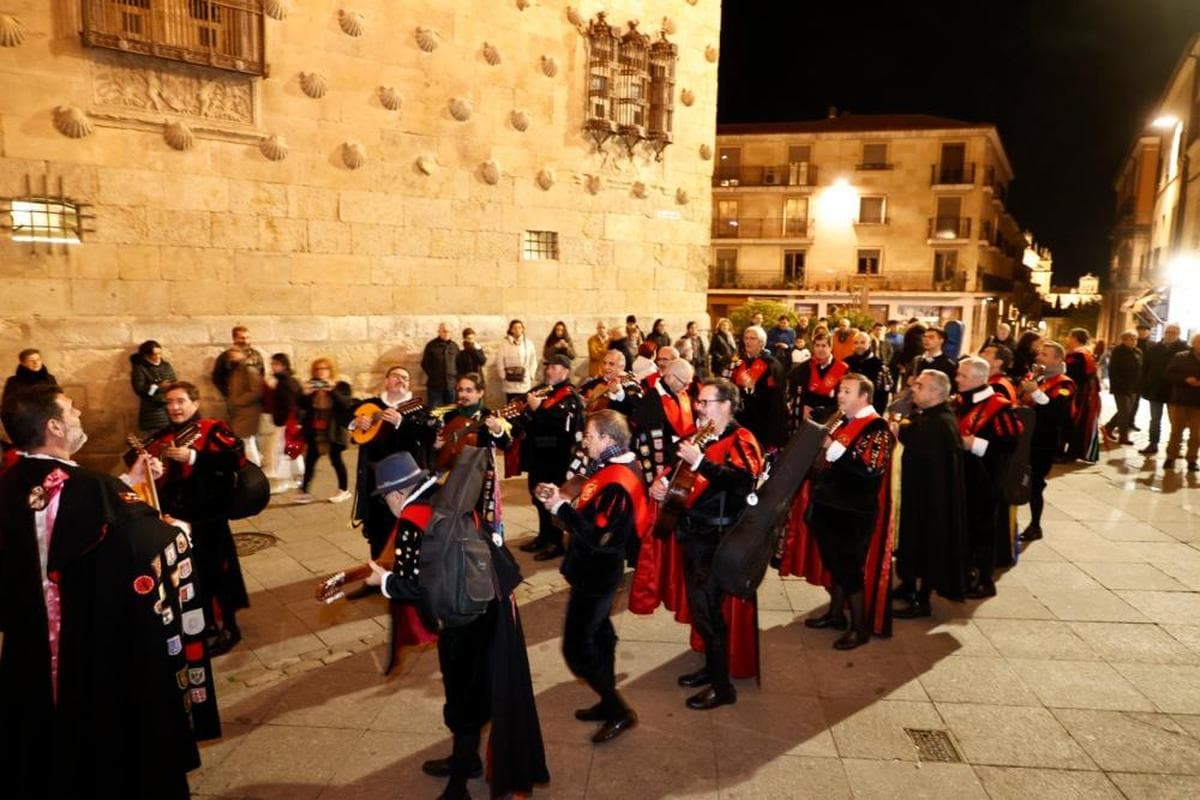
{"points": [[615, 727], [913, 610], [365, 590], [1193, 466], [555, 551], [712, 697], [1135, 428], [984, 588], [533, 547], [440, 768], [592, 714], [455, 790], [1169, 463], [223, 642], [1125, 440], [851, 639], [1149, 450], [827, 620], [693, 679], [1031, 534]]}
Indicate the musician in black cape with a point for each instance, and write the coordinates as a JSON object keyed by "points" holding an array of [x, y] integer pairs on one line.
{"points": [[89, 703], [484, 663], [933, 551]]}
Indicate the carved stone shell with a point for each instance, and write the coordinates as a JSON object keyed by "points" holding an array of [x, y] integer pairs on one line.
{"points": [[668, 26], [574, 17], [522, 5], [691, 2], [72, 122], [389, 98], [549, 66], [705, 152], [179, 135], [490, 172], [460, 109], [12, 31], [638, 189], [594, 184], [519, 120], [277, 9], [710, 54], [545, 179], [687, 97], [427, 164], [314, 84], [427, 39], [681, 196], [353, 22], [274, 147], [490, 54], [354, 155]]}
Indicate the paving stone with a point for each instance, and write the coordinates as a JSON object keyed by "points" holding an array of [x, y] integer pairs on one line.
{"points": [[1133, 742], [1021, 783], [1012, 736], [883, 780]]}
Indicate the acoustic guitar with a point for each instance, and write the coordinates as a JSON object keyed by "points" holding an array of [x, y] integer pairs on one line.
{"points": [[330, 590], [148, 490], [680, 487], [373, 413], [463, 431]]}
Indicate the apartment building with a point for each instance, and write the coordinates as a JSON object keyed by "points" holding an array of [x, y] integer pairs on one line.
{"points": [[904, 215]]}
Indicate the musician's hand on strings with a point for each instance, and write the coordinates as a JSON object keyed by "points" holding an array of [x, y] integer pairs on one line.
{"points": [[377, 575], [156, 467], [439, 442], [493, 424], [968, 442], [361, 423], [181, 454], [549, 495], [533, 400], [689, 453], [658, 490], [392, 416]]}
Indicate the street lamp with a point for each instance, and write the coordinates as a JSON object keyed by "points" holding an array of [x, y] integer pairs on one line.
{"points": [[1165, 121]]}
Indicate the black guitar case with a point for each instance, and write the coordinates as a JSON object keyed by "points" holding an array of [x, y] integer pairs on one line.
{"points": [[1017, 480], [744, 552]]}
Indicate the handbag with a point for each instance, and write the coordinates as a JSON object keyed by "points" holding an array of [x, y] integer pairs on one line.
{"points": [[293, 437], [514, 374]]}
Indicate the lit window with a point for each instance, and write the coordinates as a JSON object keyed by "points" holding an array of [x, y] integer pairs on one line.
{"points": [[49, 221], [540, 246]]}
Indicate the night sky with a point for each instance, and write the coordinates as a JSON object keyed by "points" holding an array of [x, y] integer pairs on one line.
{"points": [[1068, 83]]}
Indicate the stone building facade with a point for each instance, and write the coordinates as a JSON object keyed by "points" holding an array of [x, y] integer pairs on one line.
{"points": [[391, 169], [904, 214]]}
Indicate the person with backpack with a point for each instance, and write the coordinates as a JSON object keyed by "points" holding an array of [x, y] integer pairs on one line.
{"points": [[462, 583], [606, 525]]}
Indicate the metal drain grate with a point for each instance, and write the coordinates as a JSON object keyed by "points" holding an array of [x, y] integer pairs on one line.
{"points": [[933, 745], [250, 542]]}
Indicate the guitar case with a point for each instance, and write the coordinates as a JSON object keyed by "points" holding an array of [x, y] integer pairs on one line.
{"points": [[745, 551], [250, 493], [1017, 478]]}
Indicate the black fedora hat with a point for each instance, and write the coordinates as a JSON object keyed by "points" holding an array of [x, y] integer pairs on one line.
{"points": [[396, 472]]}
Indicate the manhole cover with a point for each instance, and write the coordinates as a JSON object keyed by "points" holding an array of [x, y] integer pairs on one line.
{"points": [[250, 542], [933, 745]]}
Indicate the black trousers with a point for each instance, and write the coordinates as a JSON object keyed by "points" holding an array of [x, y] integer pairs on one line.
{"points": [[590, 645], [1040, 464], [705, 599], [312, 453], [378, 525], [466, 675], [842, 539]]}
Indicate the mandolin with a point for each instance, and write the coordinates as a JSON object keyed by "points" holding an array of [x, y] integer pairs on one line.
{"points": [[373, 413], [463, 431], [680, 487]]}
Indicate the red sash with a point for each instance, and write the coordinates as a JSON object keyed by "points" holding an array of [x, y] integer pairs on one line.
{"points": [[1089, 361], [722, 451], [557, 396], [846, 432], [1003, 386], [623, 476], [214, 437], [1062, 382], [678, 410], [972, 420], [826, 386], [754, 369]]}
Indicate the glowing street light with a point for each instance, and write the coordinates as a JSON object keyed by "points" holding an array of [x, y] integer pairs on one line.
{"points": [[1165, 122]]}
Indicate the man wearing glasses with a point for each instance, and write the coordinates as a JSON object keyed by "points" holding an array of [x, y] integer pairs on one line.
{"points": [[727, 469]]}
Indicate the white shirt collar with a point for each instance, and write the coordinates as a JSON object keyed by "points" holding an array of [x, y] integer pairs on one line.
{"points": [[47, 457], [866, 411], [932, 356], [404, 398], [979, 395], [623, 458]]}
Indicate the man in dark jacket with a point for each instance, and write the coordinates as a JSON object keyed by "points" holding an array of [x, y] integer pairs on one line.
{"points": [[1183, 373], [438, 362], [30, 372], [1155, 387], [1124, 381], [471, 358]]}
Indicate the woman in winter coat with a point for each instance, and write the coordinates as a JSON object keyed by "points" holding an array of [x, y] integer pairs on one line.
{"points": [[326, 406], [723, 348], [559, 341], [518, 362], [148, 370], [287, 469], [659, 335], [30, 372]]}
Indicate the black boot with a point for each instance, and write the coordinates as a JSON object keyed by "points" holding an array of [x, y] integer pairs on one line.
{"points": [[917, 606], [835, 617], [859, 633]]}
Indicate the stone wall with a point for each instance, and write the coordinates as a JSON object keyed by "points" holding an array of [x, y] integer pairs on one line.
{"points": [[315, 255]]}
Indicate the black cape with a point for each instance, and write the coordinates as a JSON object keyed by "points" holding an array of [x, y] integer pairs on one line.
{"points": [[119, 726], [932, 535]]}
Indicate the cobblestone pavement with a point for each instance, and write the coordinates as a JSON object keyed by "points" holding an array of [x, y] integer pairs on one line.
{"points": [[1080, 679]]}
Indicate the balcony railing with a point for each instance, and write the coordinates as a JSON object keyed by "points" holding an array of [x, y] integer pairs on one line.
{"points": [[728, 278], [760, 228], [226, 34], [949, 227], [951, 175], [798, 173], [999, 190]]}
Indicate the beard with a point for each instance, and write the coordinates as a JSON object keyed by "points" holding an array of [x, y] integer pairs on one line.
{"points": [[76, 439]]}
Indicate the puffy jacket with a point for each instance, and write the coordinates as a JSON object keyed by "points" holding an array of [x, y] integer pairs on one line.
{"points": [[147, 380], [1124, 370]]}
